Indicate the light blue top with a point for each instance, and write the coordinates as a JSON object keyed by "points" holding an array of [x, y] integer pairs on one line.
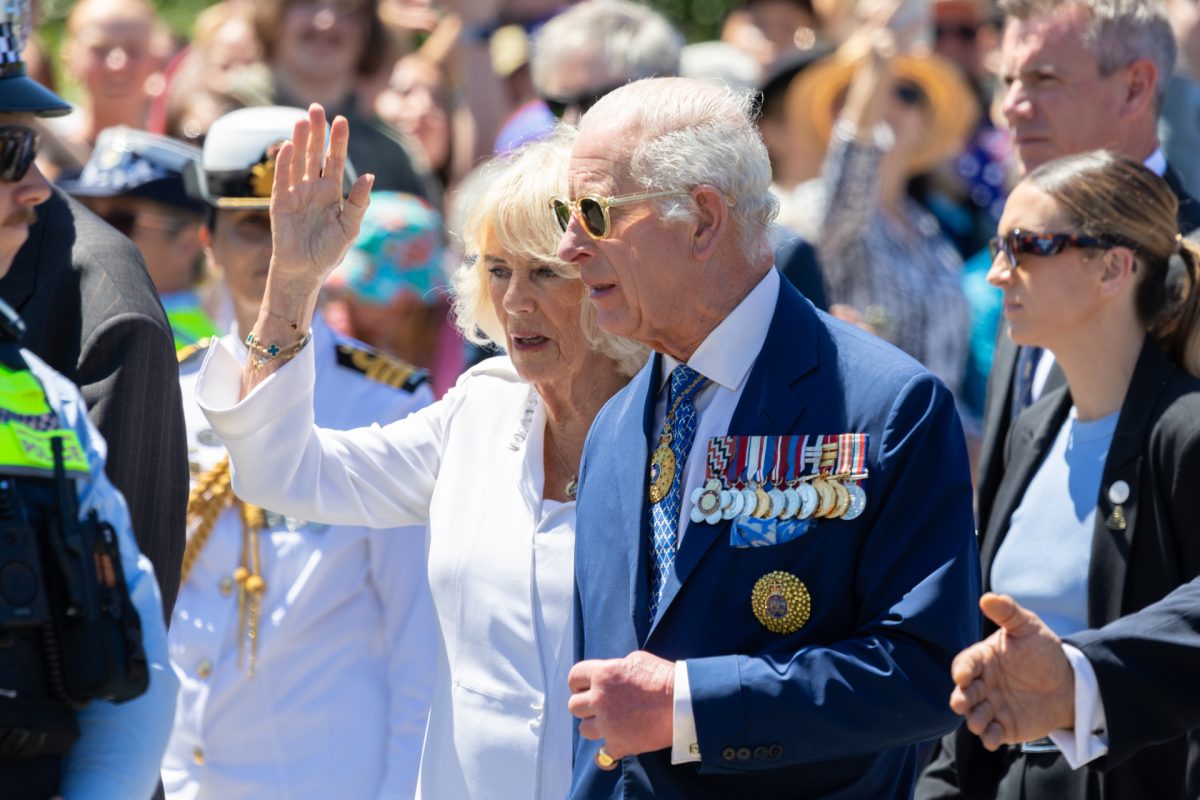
{"points": [[1043, 561], [120, 746]]}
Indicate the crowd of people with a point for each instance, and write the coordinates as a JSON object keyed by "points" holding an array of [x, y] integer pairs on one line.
{"points": [[510, 399]]}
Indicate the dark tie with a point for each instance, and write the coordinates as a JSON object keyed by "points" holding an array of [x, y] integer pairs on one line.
{"points": [[1027, 361]]}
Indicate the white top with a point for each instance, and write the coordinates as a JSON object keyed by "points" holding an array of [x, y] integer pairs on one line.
{"points": [[470, 466], [1044, 559], [344, 673]]}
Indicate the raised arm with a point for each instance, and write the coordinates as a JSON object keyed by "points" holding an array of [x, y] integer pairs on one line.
{"points": [[312, 227]]}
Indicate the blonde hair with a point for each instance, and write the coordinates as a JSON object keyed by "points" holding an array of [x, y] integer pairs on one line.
{"points": [[509, 199]]}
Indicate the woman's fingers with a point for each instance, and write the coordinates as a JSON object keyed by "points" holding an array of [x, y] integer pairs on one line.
{"points": [[300, 136], [283, 171], [315, 154], [335, 160]]}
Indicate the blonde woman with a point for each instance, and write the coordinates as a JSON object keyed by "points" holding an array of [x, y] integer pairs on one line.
{"points": [[491, 468]]}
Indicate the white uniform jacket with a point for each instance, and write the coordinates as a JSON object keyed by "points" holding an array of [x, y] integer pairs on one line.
{"points": [[470, 466], [339, 702]]}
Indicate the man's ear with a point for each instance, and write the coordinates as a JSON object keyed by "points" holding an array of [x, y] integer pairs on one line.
{"points": [[1140, 85], [712, 221], [206, 243]]}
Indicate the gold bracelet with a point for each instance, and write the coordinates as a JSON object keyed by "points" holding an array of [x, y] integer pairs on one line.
{"points": [[265, 353]]}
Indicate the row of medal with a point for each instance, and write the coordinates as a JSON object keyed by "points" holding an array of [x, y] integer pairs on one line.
{"points": [[783, 477]]}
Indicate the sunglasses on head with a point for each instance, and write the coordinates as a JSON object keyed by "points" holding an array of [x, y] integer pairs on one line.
{"points": [[1018, 241], [560, 105], [18, 149], [592, 210]]}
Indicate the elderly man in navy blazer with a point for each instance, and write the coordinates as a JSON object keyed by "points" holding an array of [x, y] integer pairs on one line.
{"points": [[775, 557]]}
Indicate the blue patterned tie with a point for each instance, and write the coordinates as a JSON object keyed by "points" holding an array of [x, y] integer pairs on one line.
{"points": [[664, 515]]}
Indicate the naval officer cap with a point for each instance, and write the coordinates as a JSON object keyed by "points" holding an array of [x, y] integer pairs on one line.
{"points": [[20, 94], [131, 163], [237, 166]]}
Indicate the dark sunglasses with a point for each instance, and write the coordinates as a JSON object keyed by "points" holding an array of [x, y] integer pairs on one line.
{"points": [[18, 149], [909, 94], [125, 220], [559, 105], [1018, 241], [963, 32], [592, 210]]}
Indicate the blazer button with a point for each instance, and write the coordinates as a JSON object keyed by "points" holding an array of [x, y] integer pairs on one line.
{"points": [[743, 754], [760, 752], [198, 756], [775, 751], [729, 754]]}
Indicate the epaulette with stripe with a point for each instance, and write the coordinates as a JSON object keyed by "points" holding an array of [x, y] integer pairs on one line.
{"points": [[381, 367], [194, 351]]}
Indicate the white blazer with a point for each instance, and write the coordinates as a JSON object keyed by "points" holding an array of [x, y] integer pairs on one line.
{"points": [[470, 466], [344, 676]]}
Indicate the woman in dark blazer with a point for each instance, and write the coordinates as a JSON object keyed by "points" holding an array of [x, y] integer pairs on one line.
{"points": [[1098, 512]]}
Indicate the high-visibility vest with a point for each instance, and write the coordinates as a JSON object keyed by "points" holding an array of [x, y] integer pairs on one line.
{"points": [[27, 427], [189, 324]]}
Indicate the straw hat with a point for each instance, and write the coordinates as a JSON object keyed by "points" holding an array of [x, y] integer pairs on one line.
{"points": [[813, 99]]}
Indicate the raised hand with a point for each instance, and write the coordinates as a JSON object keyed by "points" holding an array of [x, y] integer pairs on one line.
{"points": [[1016, 685], [311, 226]]}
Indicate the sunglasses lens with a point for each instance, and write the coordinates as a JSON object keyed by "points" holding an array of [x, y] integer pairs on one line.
{"points": [[592, 215], [557, 106], [18, 148], [123, 221], [562, 213], [909, 94]]}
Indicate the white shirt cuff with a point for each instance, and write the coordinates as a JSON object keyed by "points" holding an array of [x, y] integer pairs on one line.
{"points": [[685, 745], [1088, 740]]}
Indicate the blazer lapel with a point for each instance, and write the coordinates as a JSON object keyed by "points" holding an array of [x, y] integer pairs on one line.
{"points": [[629, 491], [1113, 533], [769, 404], [1033, 434]]}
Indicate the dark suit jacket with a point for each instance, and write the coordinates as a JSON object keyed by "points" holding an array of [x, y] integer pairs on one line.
{"points": [[1156, 450], [1146, 665], [93, 315], [835, 709], [997, 409]]}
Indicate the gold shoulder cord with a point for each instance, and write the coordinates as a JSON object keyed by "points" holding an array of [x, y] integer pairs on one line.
{"points": [[211, 495]]}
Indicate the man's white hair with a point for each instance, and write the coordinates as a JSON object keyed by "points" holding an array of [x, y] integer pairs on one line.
{"points": [[631, 40], [692, 133]]}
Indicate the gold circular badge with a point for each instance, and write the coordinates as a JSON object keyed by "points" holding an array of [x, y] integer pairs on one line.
{"points": [[781, 602], [662, 473], [843, 500]]}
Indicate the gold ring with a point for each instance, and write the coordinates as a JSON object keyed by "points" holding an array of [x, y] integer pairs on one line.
{"points": [[604, 760]]}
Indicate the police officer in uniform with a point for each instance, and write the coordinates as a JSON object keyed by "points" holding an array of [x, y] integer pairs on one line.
{"points": [[302, 649], [85, 695], [134, 182]]}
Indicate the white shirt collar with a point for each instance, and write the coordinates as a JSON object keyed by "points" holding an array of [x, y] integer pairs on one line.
{"points": [[1157, 162], [729, 351]]}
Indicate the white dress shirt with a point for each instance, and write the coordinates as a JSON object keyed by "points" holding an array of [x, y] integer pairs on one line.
{"points": [[470, 466], [344, 671], [725, 358]]}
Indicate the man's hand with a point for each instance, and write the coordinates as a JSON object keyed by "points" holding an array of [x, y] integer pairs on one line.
{"points": [[626, 702], [1016, 685]]}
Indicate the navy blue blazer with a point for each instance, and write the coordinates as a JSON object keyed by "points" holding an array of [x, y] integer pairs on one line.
{"points": [[836, 709]]}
